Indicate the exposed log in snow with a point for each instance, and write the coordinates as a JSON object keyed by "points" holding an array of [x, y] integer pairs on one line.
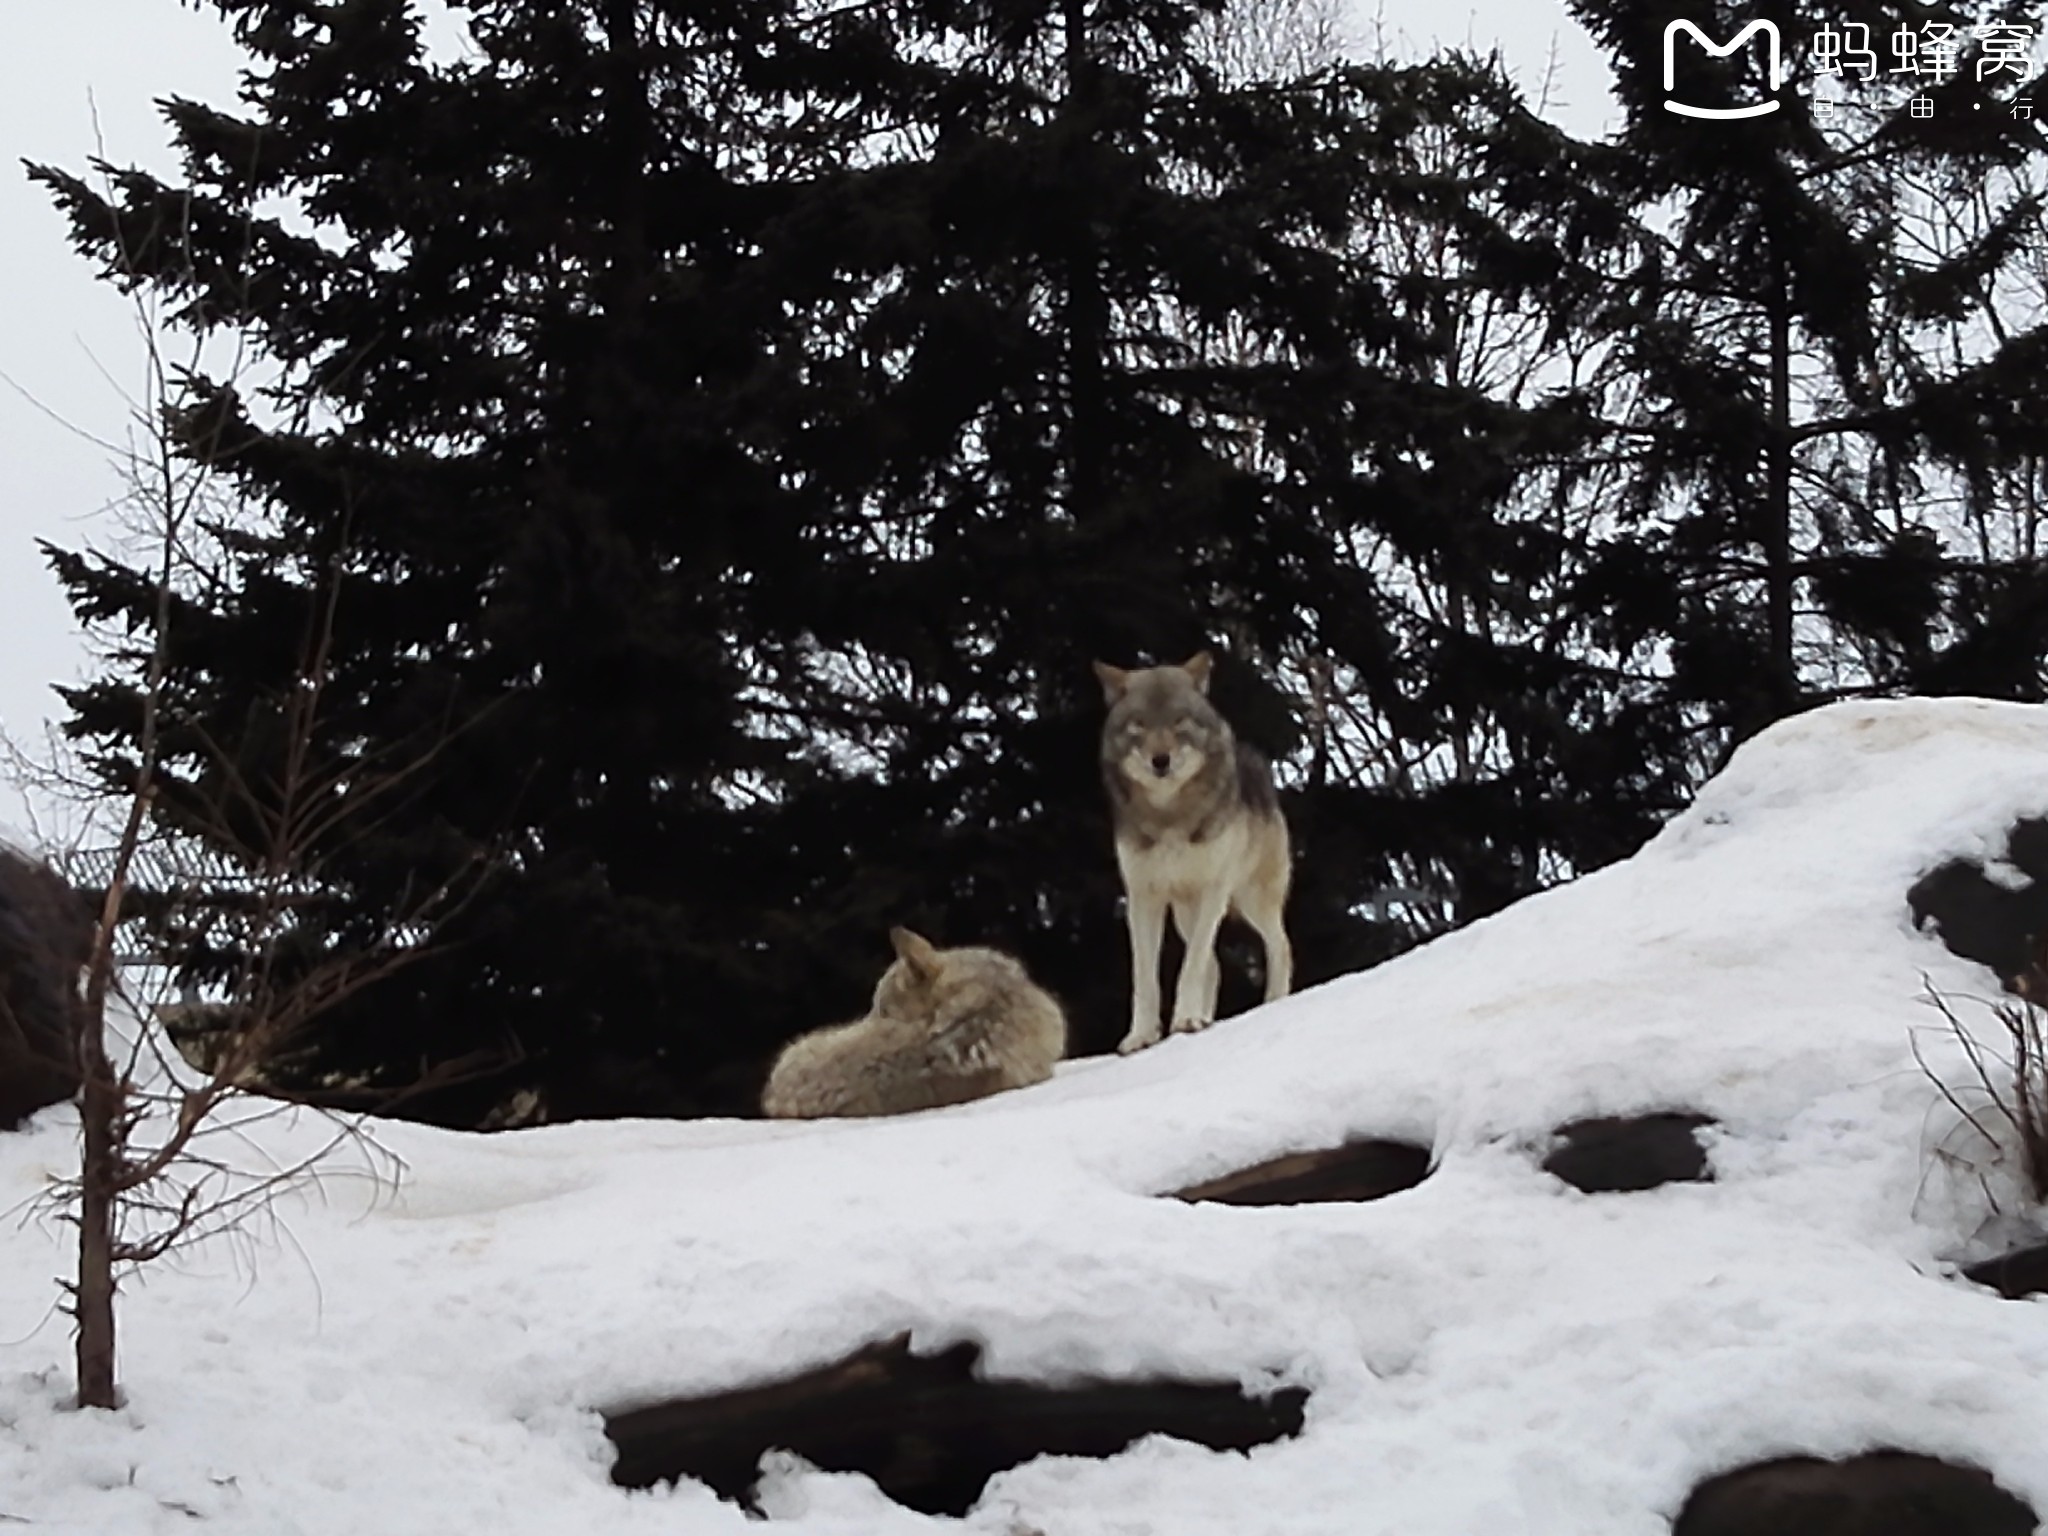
{"points": [[927, 1428]]}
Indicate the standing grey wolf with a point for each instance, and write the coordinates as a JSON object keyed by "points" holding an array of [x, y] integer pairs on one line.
{"points": [[946, 1026], [1198, 830]]}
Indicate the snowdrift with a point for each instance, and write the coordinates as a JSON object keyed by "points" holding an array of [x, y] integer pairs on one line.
{"points": [[1489, 1350]]}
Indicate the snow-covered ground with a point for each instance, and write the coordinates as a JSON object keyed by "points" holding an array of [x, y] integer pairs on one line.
{"points": [[1489, 1351]]}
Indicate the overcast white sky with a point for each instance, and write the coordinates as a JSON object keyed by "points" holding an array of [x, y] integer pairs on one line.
{"points": [[87, 72]]}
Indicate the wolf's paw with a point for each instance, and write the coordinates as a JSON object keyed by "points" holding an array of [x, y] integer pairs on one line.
{"points": [[1190, 1026], [966, 1047], [969, 1056], [1136, 1040]]}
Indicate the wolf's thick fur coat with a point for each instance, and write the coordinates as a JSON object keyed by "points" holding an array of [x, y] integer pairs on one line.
{"points": [[1198, 832], [946, 1026]]}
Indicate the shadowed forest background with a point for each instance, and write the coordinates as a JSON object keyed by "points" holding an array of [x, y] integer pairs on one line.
{"points": [[707, 443]]}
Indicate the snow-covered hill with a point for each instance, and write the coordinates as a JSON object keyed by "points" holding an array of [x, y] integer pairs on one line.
{"points": [[1489, 1351]]}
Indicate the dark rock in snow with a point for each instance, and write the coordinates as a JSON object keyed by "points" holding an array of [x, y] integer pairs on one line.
{"points": [[1980, 919], [2021, 1273], [46, 936], [1887, 1493], [1620, 1153], [927, 1428], [1359, 1170]]}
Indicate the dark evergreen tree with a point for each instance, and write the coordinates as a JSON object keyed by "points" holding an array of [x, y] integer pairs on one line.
{"points": [[728, 431], [1515, 739], [538, 478], [1826, 365]]}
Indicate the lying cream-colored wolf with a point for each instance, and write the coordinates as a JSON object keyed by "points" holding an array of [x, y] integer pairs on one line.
{"points": [[946, 1025]]}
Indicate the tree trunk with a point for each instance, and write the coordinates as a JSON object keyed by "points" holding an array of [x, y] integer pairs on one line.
{"points": [[628, 133], [1087, 307], [93, 1300], [102, 1130], [1782, 683]]}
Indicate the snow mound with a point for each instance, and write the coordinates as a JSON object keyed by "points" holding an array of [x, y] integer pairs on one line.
{"points": [[1489, 1350]]}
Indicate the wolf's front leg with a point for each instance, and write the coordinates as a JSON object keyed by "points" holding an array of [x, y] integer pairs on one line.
{"points": [[1194, 997], [1265, 915], [1145, 913]]}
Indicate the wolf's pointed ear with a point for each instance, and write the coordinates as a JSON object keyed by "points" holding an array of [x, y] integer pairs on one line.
{"points": [[1198, 666], [1114, 680], [915, 951]]}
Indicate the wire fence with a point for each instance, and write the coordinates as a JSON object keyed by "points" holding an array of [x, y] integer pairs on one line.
{"points": [[158, 867]]}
